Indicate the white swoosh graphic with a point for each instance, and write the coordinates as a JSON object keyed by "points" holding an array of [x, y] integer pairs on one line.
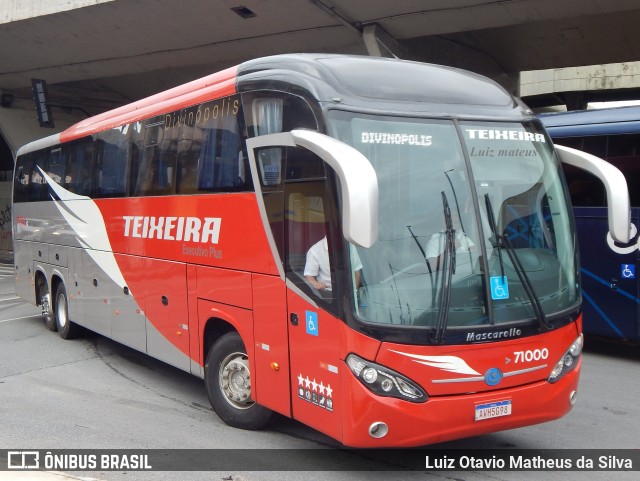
{"points": [[87, 222], [446, 363]]}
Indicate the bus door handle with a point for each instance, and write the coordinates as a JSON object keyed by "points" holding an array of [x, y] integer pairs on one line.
{"points": [[165, 301], [614, 284], [293, 318]]}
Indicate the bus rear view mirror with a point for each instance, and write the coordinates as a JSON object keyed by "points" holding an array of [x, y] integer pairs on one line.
{"points": [[358, 180], [618, 205]]}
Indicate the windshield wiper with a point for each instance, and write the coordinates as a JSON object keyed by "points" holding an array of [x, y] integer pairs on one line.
{"points": [[424, 254], [501, 240], [495, 242], [448, 269], [426, 259]]}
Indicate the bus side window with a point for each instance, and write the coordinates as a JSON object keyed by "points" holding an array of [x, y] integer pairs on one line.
{"points": [[80, 171], [270, 112], [164, 166], [230, 172], [624, 153], [56, 164], [112, 163], [573, 142], [308, 260], [221, 165], [22, 178], [37, 184], [305, 226], [156, 175], [189, 147], [595, 145], [208, 148], [585, 189], [153, 159]]}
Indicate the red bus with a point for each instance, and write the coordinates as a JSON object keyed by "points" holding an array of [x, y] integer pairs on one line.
{"points": [[380, 249]]}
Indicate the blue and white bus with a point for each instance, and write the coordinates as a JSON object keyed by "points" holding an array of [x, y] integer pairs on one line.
{"points": [[610, 271]]}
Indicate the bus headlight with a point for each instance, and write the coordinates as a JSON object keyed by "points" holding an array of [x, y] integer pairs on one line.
{"points": [[385, 382], [568, 360]]}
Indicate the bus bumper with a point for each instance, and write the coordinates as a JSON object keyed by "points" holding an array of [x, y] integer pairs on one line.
{"points": [[373, 421]]}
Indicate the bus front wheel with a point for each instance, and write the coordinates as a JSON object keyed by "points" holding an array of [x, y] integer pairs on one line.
{"points": [[228, 380]]}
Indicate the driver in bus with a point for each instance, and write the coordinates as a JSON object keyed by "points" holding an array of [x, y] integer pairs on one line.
{"points": [[317, 269], [436, 244]]}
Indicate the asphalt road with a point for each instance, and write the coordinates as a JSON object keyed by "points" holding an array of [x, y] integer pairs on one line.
{"points": [[92, 393]]}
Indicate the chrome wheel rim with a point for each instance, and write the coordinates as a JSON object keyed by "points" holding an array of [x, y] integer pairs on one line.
{"points": [[61, 310], [46, 308], [235, 380]]}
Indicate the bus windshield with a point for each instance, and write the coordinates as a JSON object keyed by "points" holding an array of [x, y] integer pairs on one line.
{"points": [[474, 226]]}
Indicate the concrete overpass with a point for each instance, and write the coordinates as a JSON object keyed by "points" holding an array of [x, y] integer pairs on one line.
{"points": [[575, 87], [98, 54]]}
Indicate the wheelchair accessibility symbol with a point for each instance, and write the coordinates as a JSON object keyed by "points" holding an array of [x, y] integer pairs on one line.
{"points": [[499, 288], [628, 271], [311, 321]]}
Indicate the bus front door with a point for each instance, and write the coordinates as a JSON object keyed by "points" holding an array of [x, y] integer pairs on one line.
{"points": [[297, 206], [312, 296]]}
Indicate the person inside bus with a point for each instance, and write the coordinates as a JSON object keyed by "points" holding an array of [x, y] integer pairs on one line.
{"points": [[317, 269], [436, 245]]}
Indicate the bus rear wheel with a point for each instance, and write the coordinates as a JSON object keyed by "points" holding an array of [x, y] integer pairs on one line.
{"points": [[66, 328], [45, 303], [227, 377]]}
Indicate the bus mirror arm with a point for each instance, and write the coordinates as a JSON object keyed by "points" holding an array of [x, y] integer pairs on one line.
{"points": [[358, 184], [618, 204], [357, 177]]}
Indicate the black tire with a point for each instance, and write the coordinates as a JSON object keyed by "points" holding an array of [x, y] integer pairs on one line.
{"points": [[47, 310], [228, 382], [66, 328]]}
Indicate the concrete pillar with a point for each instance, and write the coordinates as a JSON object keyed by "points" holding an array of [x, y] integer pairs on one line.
{"points": [[575, 100], [18, 126], [19, 123], [379, 43]]}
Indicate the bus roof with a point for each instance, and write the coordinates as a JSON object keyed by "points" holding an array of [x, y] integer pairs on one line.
{"points": [[216, 85], [394, 84], [387, 85], [620, 120]]}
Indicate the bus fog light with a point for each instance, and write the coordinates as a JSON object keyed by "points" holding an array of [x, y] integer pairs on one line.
{"points": [[378, 430], [572, 397]]}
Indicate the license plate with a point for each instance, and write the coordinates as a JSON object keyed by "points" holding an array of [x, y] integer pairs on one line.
{"points": [[493, 410]]}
